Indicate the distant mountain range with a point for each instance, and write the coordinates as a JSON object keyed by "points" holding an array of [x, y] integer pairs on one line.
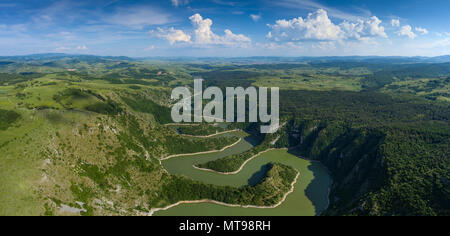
{"points": [[363, 59], [60, 56]]}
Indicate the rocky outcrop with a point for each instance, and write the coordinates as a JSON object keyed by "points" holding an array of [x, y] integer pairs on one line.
{"points": [[351, 155]]}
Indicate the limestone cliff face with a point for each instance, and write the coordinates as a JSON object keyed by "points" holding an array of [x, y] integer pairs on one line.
{"points": [[351, 155]]}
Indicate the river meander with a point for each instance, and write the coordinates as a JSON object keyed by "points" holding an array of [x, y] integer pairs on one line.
{"points": [[309, 198]]}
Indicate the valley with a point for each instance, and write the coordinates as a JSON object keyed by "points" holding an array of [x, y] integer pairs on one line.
{"points": [[309, 198], [88, 135]]}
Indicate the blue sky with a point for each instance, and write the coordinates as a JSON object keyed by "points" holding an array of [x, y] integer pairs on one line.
{"points": [[210, 28]]}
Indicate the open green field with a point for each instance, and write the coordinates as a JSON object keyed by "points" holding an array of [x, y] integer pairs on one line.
{"points": [[315, 82], [434, 89]]}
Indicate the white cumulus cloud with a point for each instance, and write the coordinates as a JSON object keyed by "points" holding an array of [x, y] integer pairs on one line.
{"points": [[363, 29], [407, 31], [172, 35], [203, 33], [318, 26]]}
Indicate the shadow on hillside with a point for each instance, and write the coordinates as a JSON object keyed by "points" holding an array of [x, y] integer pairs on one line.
{"points": [[254, 141], [259, 176], [317, 190]]}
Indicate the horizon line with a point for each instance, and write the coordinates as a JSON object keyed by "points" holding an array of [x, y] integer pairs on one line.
{"points": [[231, 57]]}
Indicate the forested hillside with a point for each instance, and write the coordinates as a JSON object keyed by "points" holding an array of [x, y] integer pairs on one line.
{"points": [[387, 156]]}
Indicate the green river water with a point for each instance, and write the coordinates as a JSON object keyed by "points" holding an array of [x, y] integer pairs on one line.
{"points": [[309, 198]]}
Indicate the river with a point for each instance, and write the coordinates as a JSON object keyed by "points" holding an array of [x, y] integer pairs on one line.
{"points": [[309, 198]]}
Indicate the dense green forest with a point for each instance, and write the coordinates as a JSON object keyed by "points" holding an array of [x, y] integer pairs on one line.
{"points": [[382, 151]]}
